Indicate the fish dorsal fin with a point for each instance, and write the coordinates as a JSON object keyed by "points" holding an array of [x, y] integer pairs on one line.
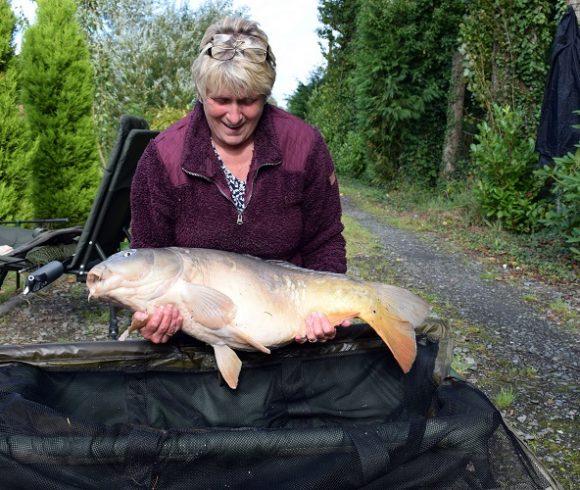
{"points": [[287, 265], [208, 306], [294, 267]]}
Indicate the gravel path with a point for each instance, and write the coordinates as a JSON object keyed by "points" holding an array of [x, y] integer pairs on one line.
{"points": [[501, 339], [456, 278]]}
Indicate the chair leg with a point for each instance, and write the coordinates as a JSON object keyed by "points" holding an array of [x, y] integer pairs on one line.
{"points": [[113, 323], [3, 274]]}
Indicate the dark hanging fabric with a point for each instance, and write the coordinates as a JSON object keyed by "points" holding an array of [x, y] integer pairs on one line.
{"points": [[556, 135]]}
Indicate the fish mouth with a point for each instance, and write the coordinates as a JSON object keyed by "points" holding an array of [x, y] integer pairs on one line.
{"points": [[99, 281], [93, 280]]}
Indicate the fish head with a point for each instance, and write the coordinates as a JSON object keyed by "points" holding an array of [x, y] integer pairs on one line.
{"points": [[133, 274]]}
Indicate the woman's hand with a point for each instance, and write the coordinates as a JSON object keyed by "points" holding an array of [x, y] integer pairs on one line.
{"points": [[161, 325], [318, 328]]}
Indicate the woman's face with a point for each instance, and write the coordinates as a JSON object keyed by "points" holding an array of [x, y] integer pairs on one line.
{"points": [[232, 120]]}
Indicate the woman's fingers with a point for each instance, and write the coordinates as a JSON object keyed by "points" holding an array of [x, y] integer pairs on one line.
{"points": [[318, 328], [176, 321], [310, 328], [163, 330], [329, 331], [152, 323], [163, 323]]}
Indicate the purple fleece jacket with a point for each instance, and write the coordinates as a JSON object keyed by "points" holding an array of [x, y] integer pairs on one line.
{"points": [[180, 196]]}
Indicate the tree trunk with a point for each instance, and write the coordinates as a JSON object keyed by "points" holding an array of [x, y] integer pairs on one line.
{"points": [[453, 133]]}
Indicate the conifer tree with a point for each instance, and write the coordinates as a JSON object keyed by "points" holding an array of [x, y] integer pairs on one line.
{"points": [[15, 144], [7, 26], [57, 91]]}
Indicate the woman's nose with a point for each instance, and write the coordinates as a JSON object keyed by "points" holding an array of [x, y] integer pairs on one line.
{"points": [[235, 115]]}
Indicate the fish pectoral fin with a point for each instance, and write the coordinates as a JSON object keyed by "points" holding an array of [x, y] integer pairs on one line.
{"points": [[240, 336], [208, 306], [228, 363]]}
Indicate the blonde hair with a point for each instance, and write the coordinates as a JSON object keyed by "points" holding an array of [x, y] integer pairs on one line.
{"points": [[238, 75]]}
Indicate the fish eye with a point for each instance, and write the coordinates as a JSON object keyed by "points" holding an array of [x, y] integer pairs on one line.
{"points": [[128, 253]]}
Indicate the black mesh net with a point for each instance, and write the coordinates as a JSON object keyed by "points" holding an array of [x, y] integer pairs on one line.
{"points": [[338, 415]]}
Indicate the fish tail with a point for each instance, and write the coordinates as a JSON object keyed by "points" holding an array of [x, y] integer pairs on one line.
{"points": [[402, 303], [398, 334]]}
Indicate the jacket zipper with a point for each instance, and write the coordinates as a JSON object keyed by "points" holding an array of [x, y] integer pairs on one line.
{"points": [[240, 220], [256, 176]]}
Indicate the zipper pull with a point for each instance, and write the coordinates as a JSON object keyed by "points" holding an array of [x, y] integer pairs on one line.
{"points": [[240, 219]]}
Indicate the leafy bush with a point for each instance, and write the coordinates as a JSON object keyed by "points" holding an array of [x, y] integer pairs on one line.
{"points": [[161, 119], [298, 102], [401, 79], [15, 143], [16, 149], [563, 214], [57, 91], [330, 102], [506, 45], [141, 52], [504, 161], [350, 157], [7, 26]]}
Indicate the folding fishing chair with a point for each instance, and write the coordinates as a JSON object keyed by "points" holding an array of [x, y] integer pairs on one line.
{"points": [[24, 241], [107, 226]]}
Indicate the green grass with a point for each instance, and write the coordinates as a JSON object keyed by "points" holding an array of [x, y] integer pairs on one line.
{"points": [[460, 366], [505, 398], [565, 314], [488, 276], [360, 242], [452, 214], [530, 298], [9, 287]]}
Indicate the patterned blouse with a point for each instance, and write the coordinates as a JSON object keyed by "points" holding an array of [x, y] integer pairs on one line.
{"points": [[237, 186]]}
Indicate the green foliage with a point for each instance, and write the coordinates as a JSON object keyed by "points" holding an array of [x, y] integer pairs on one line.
{"points": [[298, 102], [161, 119], [382, 98], [14, 140], [507, 187], [401, 79], [331, 102], [7, 27], [505, 398], [382, 101], [57, 91], [15, 152], [351, 156], [506, 45], [563, 214], [142, 51]]}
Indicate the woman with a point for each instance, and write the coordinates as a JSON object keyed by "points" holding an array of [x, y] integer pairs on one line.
{"points": [[238, 174]]}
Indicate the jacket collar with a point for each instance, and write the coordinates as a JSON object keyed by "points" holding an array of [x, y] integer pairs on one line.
{"points": [[198, 156]]}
